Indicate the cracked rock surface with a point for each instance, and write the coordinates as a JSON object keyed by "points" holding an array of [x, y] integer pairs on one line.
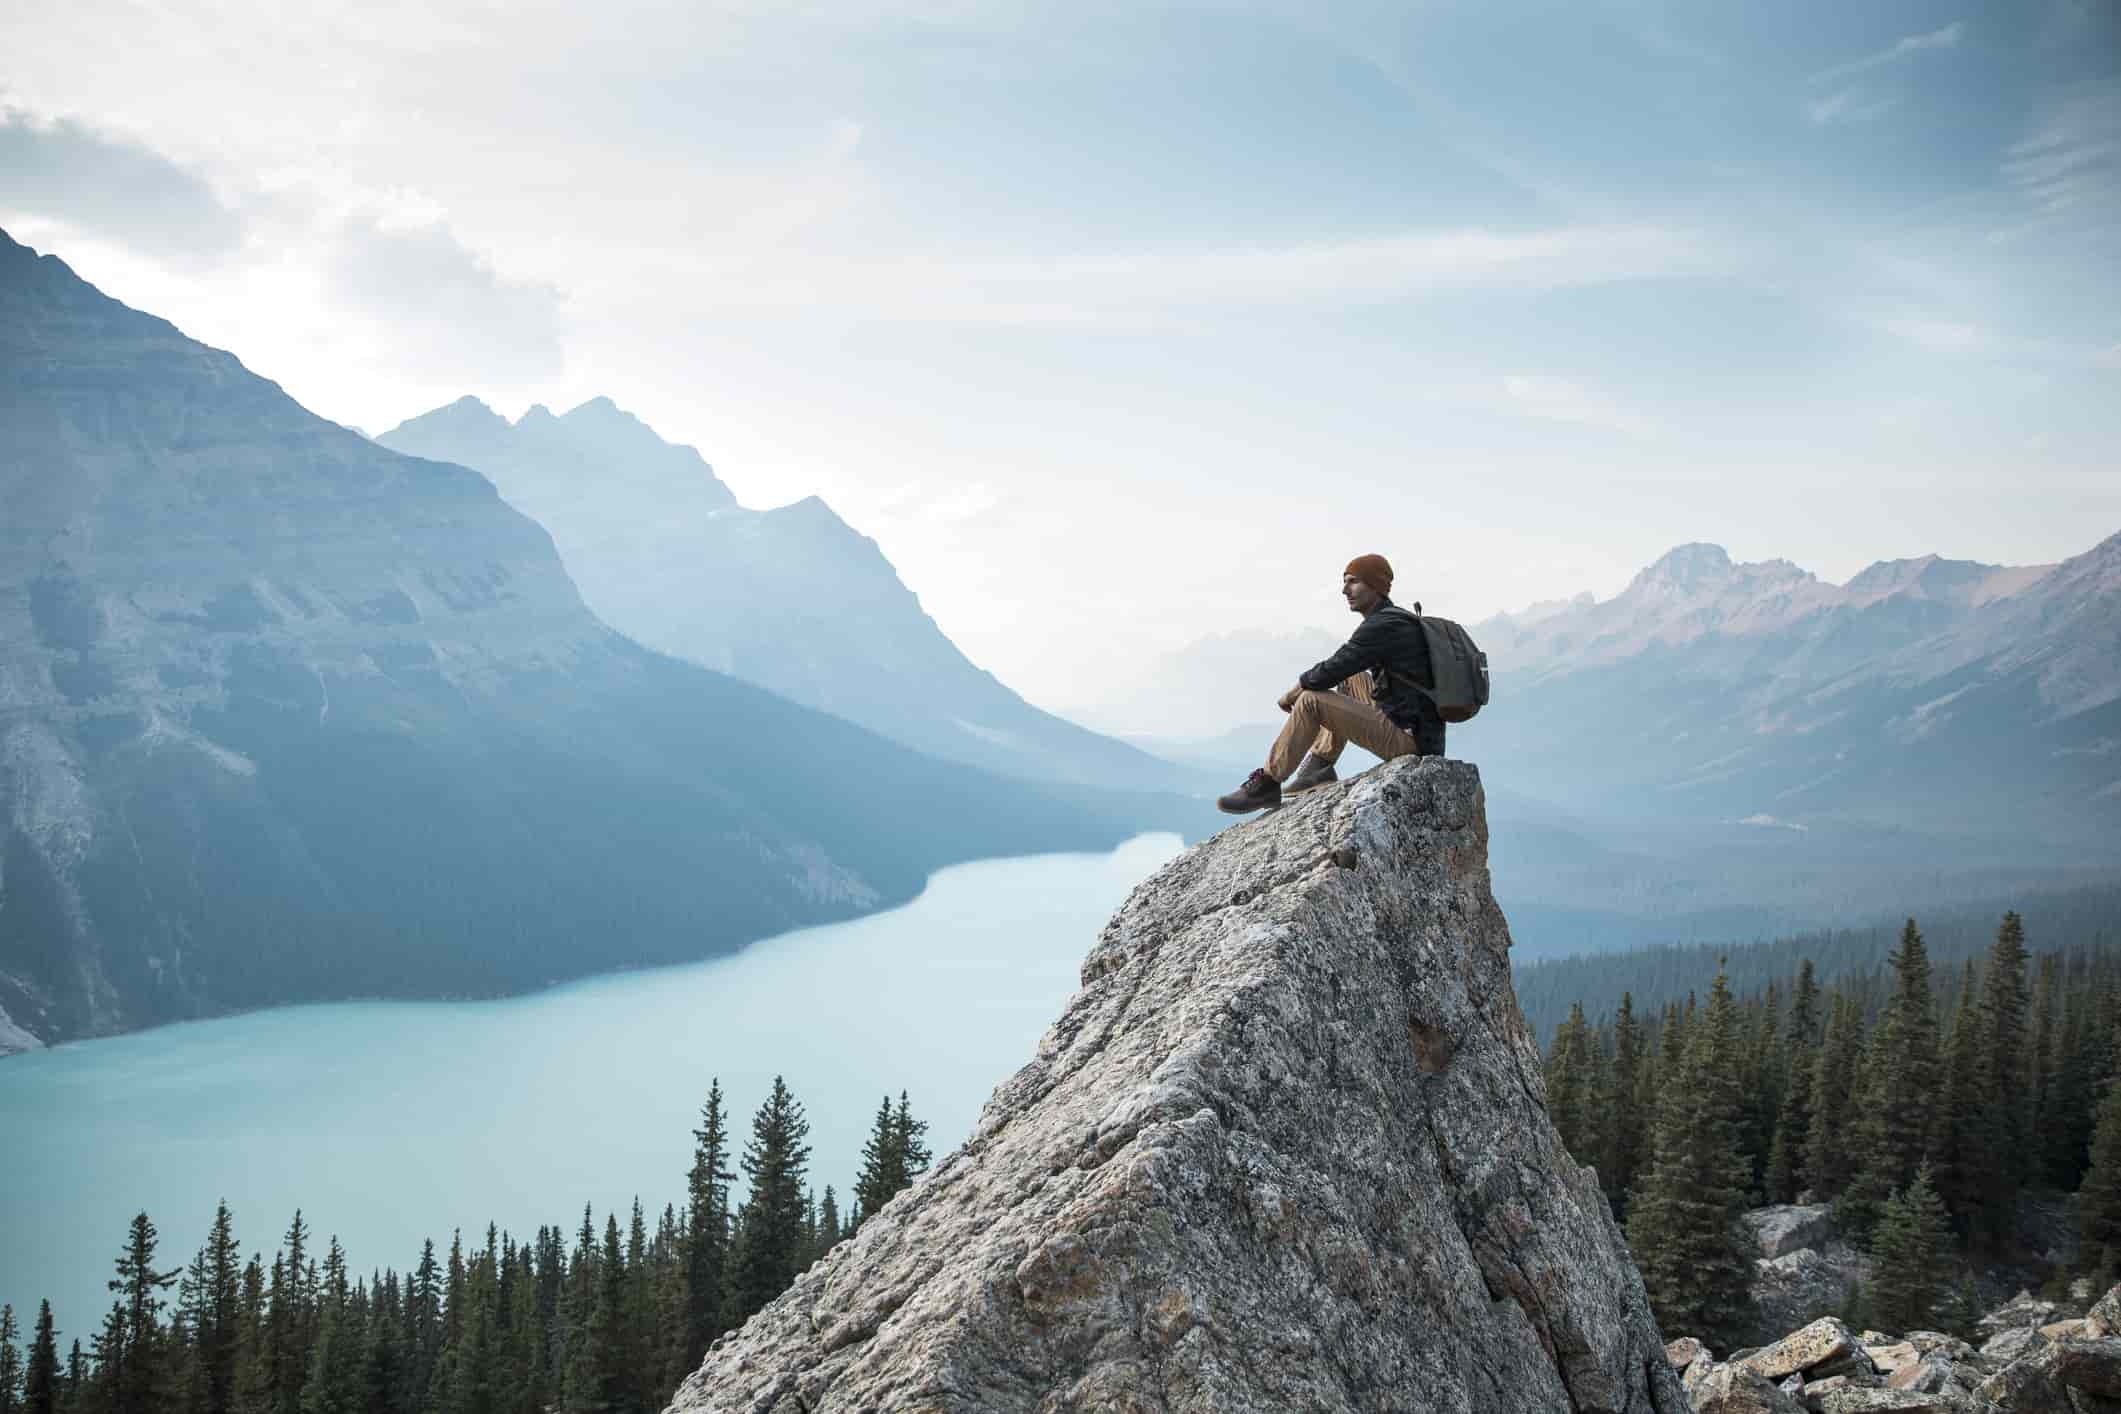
{"points": [[1286, 1148]]}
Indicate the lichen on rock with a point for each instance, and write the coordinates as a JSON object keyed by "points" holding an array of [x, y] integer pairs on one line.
{"points": [[1286, 1148]]}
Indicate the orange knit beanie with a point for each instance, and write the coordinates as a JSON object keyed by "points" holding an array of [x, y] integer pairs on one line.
{"points": [[1373, 570]]}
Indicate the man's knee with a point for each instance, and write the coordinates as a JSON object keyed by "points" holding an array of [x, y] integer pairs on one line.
{"points": [[1309, 700]]}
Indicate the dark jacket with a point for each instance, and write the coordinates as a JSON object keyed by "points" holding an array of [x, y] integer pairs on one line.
{"points": [[1389, 645]]}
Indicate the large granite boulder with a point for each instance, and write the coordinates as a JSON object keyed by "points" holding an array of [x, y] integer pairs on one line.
{"points": [[1734, 1389], [1789, 1227], [1825, 1342], [1287, 1148], [1802, 1285]]}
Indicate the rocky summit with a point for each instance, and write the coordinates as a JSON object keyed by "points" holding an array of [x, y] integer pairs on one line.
{"points": [[1286, 1148]]}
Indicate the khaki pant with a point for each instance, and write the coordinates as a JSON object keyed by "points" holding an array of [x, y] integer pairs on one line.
{"points": [[1324, 722]]}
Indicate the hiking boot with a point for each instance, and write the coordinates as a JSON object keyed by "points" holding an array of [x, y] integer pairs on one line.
{"points": [[1310, 776], [1259, 792]]}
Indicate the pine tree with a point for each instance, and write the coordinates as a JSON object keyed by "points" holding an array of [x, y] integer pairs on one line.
{"points": [[292, 1319], [828, 1221], [596, 1381], [912, 1135], [770, 1224], [2074, 1094], [1683, 1226], [1900, 1086], [140, 1386], [1959, 1159], [1829, 1158], [1622, 1102], [40, 1377], [2041, 1059], [883, 1168], [1761, 1087], [75, 1399], [1792, 1122], [2003, 1036], [1909, 1250], [10, 1363], [1568, 1077], [333, 1382], [637, 1315], [707, 1228], [1803, 1031], [423, 1325], [215, 1300], [252, 1393], [108, 1357]]}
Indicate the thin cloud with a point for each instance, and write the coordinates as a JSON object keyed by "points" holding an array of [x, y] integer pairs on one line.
{"points": [[98, 184], [1945, 38], [1135, 288], [1851, 105], [1938, 335], [1564, 400], [2071, 162], [447, 301]]}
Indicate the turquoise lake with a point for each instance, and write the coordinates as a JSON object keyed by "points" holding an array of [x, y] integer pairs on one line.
{"points": [[387, 1122]]}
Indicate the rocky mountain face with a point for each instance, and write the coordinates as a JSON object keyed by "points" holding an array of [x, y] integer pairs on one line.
{"points": [[793, 598], [285, 714], [1287, 1148], [1933, 695]]}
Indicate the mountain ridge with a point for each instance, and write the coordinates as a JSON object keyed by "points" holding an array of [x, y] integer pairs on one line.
{"points": [[791, 597], [287, 715]]}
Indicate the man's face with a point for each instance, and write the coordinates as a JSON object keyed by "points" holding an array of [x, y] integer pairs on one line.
{"points": [[1361, 597]]}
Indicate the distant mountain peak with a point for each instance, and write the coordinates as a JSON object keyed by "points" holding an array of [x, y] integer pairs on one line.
{"points": [[1685, 566], [468, 419]]}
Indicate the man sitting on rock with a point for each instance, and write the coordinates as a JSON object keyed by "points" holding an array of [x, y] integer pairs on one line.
{"points": [[1368, 693]]}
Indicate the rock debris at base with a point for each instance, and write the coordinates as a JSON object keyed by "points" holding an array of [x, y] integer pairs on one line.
{"points": [[1286, 1149], [2030, 1365]]}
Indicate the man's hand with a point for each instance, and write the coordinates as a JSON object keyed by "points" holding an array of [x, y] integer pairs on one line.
{"points": [[1287, 701]]}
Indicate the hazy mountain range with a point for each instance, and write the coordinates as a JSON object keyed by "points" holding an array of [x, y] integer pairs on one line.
{"points": [[287, 714], [793, 598], [1946, 696]]}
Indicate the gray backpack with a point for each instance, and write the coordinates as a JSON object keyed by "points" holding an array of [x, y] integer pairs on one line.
{"points": [[1460, 667]]}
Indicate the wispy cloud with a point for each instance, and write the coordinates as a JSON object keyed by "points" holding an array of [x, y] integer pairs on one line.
{"points": [[1850, 105], [1564, 400], [86, 180], [2071, 161], [465, 316], [1938, 335], [1945, 38], [1133, 287]]}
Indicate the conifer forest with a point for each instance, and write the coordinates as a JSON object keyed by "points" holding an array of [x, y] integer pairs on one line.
{"points": [[1925, 1104], [606, 1318]]}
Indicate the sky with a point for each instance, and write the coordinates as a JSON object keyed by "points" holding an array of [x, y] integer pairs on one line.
{"points": [[1123, 324]]}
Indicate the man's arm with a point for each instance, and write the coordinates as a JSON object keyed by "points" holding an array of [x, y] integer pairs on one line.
{"points": [[1359, 654]]}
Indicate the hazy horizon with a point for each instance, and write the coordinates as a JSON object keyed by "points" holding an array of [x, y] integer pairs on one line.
{"points": [[1120, 327]]}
